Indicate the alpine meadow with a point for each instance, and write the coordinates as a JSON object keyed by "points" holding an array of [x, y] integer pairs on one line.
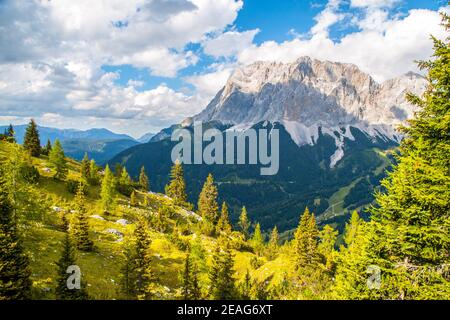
{"points": [[324, 149]]}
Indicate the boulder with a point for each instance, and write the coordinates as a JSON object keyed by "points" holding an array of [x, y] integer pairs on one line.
{"points": [[123, 222], [114, 232]]}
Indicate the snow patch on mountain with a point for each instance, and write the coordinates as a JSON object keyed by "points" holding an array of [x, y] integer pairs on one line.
{"points": [[311, 95]]}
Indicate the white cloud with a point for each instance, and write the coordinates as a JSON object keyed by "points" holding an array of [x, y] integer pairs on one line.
{"points": [[326, 18], [384, 48], [209, 84], [229, 43], [373, 3], [52, 54]]}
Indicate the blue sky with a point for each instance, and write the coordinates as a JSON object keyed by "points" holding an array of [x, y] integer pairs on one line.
{"points": [[141, 65]]}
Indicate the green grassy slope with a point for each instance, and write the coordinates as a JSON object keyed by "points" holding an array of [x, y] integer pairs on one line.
{"points": [[101, 268]]}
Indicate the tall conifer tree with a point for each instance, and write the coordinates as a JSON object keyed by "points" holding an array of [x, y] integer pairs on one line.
{"points": [[80, 227], [176, 189], [31, 141], [58, 160], [67, 259], [15, 272], [143, 180]]}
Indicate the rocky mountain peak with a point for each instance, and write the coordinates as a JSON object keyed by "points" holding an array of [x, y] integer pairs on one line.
{"points": [[309, 94]]}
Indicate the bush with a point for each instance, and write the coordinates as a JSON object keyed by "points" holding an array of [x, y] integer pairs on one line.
{"points": [[125, 189], [73, 185], [29, 173]]}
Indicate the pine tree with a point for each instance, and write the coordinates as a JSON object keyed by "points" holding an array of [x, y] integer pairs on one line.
{"points": [[223, 225], [133, 201], [326, 248], [143, 180], [222, 285], [352, 262], [64, 222], [176, 189], [258, 240], [143, 273], [66, 260], [272, 248], [93, 178], [207, 202], [244, 223], [245, 287], [10, 134], [305, 241], [58, 160], [127, 275], [15, 272], [108, 192], [189, 280], [352, 228], [48, 147], [31, 140], [85, 167], [118, 170], [80, 228], [410, 228], [125, 178]]}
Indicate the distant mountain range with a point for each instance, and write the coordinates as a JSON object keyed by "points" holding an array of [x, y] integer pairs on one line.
{"points": [[146, 137], [336, 125], [100, 144]]}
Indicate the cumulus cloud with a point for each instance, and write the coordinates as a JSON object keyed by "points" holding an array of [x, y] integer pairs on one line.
{"points": [[383, 47], [372, 3], [229, 43], [53, 52]]}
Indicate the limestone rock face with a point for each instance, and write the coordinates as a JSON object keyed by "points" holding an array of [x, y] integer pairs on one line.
{"points": [[309, 95]]}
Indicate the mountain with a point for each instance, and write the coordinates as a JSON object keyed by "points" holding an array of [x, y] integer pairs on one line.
{"points": [[337, 134], [99, 149], [66, 134], [309, 95], [100, 144], [146, 137]]}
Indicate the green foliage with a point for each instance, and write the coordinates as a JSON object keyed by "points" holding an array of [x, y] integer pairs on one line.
{"points": [[8, 135], [138, 279], [143, 180], [223, 225], [29, 173], [305, 241], [108, 192], [133, 200], [93, 178], [80, 226], [244, 223], [190, 286], [221, 273], [176, 189], [15, 272], [208, 208], [73, 186], [66, 260], [48, 147], [410, 230], [58, 160], [85, 167], [272, 248], [258, 240], [125, 184], [31, 141]]}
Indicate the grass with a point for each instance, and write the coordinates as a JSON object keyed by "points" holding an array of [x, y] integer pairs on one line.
{"points": [[100, 268]]}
